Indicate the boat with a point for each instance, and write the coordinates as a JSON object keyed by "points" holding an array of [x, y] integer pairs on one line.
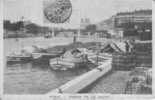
{"points": [[71, 59], [44, 57], [18, 58], [25, 55]]}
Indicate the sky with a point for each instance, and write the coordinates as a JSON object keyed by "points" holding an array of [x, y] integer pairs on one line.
{"points": [[96, 10]]}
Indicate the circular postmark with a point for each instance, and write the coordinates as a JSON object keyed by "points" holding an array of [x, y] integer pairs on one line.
{"points": [[58, 11]]}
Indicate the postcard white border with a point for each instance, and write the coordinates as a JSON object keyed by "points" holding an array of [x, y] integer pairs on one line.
{"points": [[65, 96]]}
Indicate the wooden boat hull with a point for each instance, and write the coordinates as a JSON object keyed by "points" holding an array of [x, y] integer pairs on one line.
{"points": [[18, 59], [65, 64], [43, 58]]}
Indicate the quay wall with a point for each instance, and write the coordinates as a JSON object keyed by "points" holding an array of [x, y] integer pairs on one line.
{"points": [[81, 82]]}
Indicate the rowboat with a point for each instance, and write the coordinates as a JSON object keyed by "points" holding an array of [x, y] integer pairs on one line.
{"points": [[71, 59], [44, 57]]}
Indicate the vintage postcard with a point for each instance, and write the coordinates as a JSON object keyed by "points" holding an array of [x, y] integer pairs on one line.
{"points": [[77, 49]]}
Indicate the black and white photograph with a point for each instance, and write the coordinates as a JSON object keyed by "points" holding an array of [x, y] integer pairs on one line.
{"points": [[77, 47]]}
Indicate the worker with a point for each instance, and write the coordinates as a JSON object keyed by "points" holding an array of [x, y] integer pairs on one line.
{"points": [[74, 38], [127, 46], [132, 43]]}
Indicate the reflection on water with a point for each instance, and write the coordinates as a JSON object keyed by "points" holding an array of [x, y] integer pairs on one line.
{"points": [[27, 78]]}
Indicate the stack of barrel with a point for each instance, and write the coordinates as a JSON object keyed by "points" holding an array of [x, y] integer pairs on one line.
{"points": [[143, 59], [143, 52], [123, 61]]}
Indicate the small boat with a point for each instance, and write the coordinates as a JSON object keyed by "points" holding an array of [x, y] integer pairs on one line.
{"points": [[71, 59], [61, 65], [44, 57], [64, 64], [25, 55], [18, 58]]}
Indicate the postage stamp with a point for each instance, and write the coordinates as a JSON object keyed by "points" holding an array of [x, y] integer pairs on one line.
{"points": [[58, 11]]}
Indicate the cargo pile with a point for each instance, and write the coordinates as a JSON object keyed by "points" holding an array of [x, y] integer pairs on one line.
{"points": [[123, 61], [140, 56], [140, 81], [143, 52]]}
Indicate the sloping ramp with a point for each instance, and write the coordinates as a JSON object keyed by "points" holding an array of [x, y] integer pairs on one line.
{"points": [[116, 47], [107, 48], [112, 47]]}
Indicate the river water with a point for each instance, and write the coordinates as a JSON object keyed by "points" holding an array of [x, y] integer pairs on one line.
{"points": [[35, 79]]}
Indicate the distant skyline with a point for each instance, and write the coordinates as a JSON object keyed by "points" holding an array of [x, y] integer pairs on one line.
{"points": [[96, 10]]}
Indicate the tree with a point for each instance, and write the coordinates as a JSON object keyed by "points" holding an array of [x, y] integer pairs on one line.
{"points": [[13, 26], [6, 24], [17, 25], [33, 28]]}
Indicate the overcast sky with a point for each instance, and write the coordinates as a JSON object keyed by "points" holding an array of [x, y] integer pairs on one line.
{"points": [[96, 10]]}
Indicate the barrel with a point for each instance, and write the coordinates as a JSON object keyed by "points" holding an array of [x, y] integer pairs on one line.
{"points": [[143, 59], [123, 61], [143, 47]]}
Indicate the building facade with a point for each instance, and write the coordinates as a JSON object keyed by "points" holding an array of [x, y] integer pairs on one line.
{"points": [[136, 24]]}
